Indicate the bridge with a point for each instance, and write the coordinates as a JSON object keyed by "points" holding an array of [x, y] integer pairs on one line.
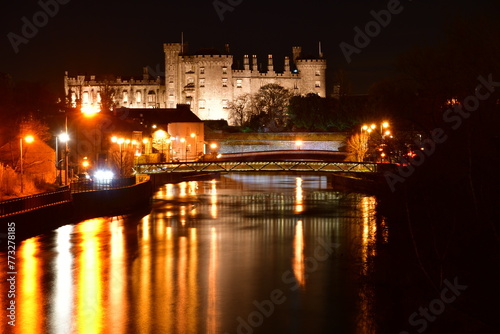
{"points": [[258, 166]]}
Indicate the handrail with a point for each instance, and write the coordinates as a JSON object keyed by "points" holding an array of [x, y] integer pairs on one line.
{"points": [[27, 203], [256, 166]]}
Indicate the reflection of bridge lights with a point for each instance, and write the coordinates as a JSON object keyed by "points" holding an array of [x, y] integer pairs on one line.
{"points": [[299, 196], [298, 253], [193, 188], [170, 190], [182, 186], [213, 199]]}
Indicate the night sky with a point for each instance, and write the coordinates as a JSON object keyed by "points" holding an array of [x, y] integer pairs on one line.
{"points": [[118, 37]]}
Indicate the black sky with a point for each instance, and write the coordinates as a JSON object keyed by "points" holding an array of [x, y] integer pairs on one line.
{"points": [[118, 37]]}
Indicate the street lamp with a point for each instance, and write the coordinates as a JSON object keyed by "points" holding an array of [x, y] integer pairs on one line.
{"points": [[299, 143], [64, 138], [195, 136], [183, 140], [120, 142], [29, 139]]}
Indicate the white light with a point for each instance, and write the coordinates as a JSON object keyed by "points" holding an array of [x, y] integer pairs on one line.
{"points": [[101, 175], [64, 137]]}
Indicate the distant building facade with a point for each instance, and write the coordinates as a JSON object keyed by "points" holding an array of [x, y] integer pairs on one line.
{"points": [[208, 81]]}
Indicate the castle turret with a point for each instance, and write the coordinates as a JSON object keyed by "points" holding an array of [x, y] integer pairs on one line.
{"points": [[255, 65], [287, 64], [246, 63], [270, 65], [297, 52], [173, 52]]}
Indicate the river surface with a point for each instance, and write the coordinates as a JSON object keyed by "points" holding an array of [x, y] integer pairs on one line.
{"points": [[240, 254]]}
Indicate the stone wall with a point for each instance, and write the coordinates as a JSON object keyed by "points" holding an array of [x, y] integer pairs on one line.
{"points": [[243, 142]]}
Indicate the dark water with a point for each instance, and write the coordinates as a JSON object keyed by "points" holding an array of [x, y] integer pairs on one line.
{"points": [[243, 254]]}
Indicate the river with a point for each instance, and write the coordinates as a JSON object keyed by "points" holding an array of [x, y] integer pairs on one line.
{"points": [[240, 254]]}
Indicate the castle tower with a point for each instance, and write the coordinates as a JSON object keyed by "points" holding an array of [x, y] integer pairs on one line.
{"points": [[172, 73], [312, 76], [297, 52]]}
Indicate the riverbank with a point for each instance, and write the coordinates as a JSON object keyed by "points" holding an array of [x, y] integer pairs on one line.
{"points": [[80, 206]]}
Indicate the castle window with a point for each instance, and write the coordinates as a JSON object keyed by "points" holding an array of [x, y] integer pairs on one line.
{"points": [[202, 70], [138, 97], [202, 82], [224, 104], [151, 96], [190, 80], [224, 70], [238, 83], [171, 92], [85, 97], [318, 73], [224, 82], [201, 104], [171, 79], [317, 84], [125, 96]]}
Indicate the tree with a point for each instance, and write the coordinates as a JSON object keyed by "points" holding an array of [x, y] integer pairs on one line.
{"points": [[357, 147], [240, 109], [270, 103], [107, 94], [310, 112]]}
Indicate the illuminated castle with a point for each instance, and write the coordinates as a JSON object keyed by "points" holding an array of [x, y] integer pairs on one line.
{"points": [[206, 80]]}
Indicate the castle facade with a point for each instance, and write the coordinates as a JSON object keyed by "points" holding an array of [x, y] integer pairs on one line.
{"points": [[207, 80]]}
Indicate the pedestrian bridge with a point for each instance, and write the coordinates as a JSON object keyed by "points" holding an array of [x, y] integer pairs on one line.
{"points": [[256, 166]]}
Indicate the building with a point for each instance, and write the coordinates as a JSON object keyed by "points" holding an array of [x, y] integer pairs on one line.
{"points": [[207, 80], [177, 134]]}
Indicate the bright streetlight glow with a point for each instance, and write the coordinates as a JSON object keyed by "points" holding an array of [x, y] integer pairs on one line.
{"points": [[63, 137], [213, 146], [90, 111], [29, 139]]}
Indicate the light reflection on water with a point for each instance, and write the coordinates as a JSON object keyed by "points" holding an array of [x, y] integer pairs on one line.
{"points": [[204, 260]]}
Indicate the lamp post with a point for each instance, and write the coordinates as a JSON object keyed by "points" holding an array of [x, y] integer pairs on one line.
{"points": [[64, 137], [28, 139], [195, 136], [120, 142], [183, 140]]}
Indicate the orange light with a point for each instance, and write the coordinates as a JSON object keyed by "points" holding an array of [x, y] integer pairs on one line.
{"points": [[29, 139], [90, 111], [213, 146]]}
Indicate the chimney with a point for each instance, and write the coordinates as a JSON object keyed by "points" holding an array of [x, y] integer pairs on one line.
{"points": [[255, 66], [145, 73], [246, 63], [287, 64], [270, 65]]}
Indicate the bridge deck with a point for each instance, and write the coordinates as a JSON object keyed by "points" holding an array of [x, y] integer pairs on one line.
{"points": [[256, 166]]}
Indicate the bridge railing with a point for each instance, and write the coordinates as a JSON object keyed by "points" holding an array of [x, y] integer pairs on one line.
{"points": [[27, 203], [257, 166]]}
